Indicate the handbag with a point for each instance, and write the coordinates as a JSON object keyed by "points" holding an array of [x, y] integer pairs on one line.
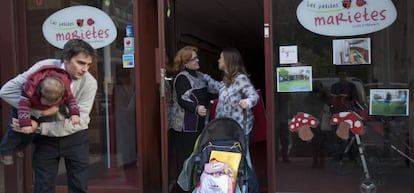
{"points": [[186, 178], [259, 131], [216, 177], [232, 159]]}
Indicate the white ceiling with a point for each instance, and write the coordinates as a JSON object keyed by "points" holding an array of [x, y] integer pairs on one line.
{"points": [[236, 22]]}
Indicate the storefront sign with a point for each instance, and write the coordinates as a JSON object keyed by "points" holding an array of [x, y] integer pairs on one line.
{"points": [[80, 22], [346, 17]]}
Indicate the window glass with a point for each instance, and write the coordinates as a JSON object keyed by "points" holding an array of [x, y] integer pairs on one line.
{"points": [[378, 60], [112, 130], [2, 180], [1, 165]]}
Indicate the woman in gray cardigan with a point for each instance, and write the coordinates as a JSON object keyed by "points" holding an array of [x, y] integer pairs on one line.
{"points": [[191, 102]]}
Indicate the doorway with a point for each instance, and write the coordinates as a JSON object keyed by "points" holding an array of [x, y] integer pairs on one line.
{"points": [[211, 26]]}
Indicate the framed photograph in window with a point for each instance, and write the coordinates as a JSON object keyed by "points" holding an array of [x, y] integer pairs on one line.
{"points": [[388, 102], [294, 79], [351, 51]]}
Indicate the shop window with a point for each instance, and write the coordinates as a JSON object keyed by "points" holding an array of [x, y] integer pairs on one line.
{"points": [[378, 67]]}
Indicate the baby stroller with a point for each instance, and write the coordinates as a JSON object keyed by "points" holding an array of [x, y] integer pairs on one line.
{"points": [[222, 135]]}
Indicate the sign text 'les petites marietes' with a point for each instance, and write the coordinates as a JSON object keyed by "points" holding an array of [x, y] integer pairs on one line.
{"points": [[346, 17], [79, 22]]}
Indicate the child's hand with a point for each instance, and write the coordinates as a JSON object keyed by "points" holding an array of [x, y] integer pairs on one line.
{"points": [[27, 129], [50, 111], [75, 119]]}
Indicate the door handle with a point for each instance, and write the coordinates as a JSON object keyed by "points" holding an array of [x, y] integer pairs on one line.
{"points": [[163, 78], [162, 82]]}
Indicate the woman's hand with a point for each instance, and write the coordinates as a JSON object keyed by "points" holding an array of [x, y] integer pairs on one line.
{"points": [[243, 104], [201, 110]]}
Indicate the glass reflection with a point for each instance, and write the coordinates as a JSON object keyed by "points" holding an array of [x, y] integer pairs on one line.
{"points": [[377, 150], [112, 130]]}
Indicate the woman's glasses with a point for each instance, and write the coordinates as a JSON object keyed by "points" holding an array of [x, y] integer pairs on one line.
{"points": [[194, 59]]}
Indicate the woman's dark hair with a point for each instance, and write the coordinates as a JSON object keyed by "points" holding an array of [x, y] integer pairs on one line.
{"points": [[234, 65], [76, 46]]}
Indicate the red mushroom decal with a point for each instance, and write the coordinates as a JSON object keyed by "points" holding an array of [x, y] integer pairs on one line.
{"points": [[302, 123], [347, 121]]}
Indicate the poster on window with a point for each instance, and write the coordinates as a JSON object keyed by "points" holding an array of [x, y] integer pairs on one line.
{"points": [[351, 51], [294, 79], [288, 54], [388, 102], [128, 61]]}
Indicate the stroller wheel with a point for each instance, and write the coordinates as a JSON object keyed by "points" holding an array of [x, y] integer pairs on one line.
{"points": [[368, 186]]}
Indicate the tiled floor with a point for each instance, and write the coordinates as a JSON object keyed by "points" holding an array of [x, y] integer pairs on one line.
{"points": [[391, 175], [1, 178], [299, 176]]}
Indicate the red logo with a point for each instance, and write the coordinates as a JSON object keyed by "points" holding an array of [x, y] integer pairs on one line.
{"points": [[90, 21], [346, 3], [360, 3], [79, 22]]}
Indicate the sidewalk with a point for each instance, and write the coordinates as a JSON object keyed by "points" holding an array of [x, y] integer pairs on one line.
{"points": [[1, 178]]}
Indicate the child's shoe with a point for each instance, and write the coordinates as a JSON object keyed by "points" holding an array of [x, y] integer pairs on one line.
{"points": [[6, 159]]}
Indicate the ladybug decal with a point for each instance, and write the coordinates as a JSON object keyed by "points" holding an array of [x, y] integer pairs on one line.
{"points": [[79, 22], [360, 3], [90, 21], [346, 3]]}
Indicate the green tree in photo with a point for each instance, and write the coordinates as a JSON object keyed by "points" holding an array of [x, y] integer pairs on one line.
{"points": [[284, 74]]}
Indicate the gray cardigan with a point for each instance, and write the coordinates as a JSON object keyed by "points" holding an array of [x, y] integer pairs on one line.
{"points": [[229, 98], [84, 91]]}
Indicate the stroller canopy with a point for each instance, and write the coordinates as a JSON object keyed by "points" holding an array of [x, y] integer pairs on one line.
{"points": [[222, 129]]}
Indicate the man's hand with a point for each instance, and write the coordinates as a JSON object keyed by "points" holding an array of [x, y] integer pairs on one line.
{"points": [[50, 111], [26, 129]]}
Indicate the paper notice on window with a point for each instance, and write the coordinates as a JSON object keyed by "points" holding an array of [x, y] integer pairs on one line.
{"points": [[288, 54]]}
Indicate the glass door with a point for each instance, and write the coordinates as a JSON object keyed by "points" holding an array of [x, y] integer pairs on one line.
{"points": [[165, 91], [211, 26], [112, 130]]}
